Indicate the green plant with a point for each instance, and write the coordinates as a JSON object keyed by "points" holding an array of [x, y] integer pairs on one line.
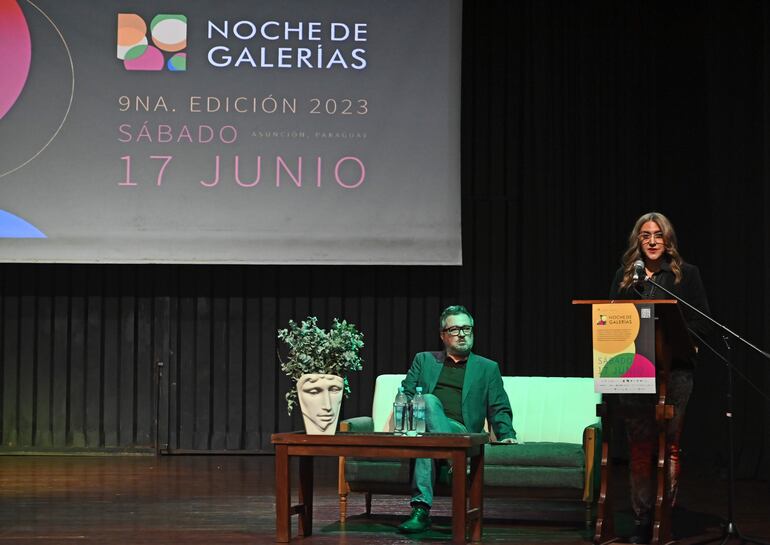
{"points": [[314, 350]]}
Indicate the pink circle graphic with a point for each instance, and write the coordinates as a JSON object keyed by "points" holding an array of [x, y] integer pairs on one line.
{"points": [[15, 51], [641, 367]]}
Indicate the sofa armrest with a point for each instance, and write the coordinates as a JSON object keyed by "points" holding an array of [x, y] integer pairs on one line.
{"points": [[357, 424], [592, 446]]}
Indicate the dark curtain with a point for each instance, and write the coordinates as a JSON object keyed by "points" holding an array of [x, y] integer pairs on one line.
{"points": [[577, 117]]}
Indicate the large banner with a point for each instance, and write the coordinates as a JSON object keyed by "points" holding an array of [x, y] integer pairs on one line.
{"points": [[241, 131]]}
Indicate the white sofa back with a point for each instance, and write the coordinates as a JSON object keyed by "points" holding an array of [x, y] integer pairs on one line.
{"points": [[545, 409]]}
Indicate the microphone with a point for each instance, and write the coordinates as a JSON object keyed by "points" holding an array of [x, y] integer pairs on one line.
{"points": [[638, 270]]}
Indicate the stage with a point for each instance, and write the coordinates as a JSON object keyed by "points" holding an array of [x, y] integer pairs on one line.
{"points": [[225, 500]]}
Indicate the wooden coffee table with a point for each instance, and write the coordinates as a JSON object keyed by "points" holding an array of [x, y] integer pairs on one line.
{"points": [[467, 500]]}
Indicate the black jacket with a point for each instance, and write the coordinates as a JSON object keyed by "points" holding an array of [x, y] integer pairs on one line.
{"points": [[690, 289]]}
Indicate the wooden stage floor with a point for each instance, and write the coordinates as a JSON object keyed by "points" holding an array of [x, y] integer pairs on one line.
{"points": [[230, 500]]}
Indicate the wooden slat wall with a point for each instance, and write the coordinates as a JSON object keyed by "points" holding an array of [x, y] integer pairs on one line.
{"points": [[81, 346]]}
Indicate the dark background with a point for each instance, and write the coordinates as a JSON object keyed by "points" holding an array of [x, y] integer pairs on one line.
{"points": [[577, 118]]}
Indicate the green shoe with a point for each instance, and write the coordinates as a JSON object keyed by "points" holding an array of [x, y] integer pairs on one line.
{"points": [[418, 521]]}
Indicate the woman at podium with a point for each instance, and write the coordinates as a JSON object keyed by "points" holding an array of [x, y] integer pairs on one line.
{"points": [[653, 253]]}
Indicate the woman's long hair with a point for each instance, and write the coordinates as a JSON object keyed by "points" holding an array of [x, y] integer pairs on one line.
{"points": [[634, 251]]}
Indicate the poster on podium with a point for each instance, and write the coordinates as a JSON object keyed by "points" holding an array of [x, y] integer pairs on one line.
{"points": [[624, 348]]}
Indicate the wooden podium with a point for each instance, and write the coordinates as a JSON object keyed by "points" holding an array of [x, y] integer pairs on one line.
{"points": [[671, 341]]}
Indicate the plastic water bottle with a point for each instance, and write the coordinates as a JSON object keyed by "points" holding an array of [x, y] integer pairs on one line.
{"points": [[418, 411], [399, 411]]}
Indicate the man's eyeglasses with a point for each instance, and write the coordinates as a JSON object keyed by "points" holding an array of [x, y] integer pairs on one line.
{"points": [[646, 237], [455, 331]]}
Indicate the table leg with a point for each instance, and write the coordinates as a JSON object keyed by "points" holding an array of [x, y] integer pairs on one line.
{"points": [[282, 495], [306, 495], [459, 497], [477, 495]]}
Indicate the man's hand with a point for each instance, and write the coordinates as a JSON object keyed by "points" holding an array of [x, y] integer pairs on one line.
{"points": [[510, 440]]}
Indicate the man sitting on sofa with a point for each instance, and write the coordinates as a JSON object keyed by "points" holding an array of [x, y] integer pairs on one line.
{"points": [[461, 390]]}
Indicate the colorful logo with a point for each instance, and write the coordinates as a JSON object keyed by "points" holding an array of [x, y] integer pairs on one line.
{"points": [[602, 319], [168, 34]]}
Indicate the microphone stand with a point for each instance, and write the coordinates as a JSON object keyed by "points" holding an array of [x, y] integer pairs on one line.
{"points": [[730, 530]]}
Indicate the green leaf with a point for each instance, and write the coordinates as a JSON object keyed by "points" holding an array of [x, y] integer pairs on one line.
{"points": [[315, 350]]}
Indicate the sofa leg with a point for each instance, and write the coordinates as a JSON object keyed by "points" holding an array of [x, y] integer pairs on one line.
{"points": [[368, 503], [343, 489], [343, 508]]}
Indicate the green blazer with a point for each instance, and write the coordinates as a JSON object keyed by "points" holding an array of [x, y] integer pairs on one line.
{"points": [[483, 392]]}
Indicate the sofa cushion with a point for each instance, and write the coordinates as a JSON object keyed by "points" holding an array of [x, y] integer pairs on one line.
{"points": [[535, 454], [385, 390], [533, 477], [552, 409]]}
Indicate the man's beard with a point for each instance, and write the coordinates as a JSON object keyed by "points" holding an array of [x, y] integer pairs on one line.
{"points": [[460, 350]]}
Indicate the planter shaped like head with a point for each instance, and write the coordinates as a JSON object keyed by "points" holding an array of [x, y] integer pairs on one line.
{"points": [[320, 397]]}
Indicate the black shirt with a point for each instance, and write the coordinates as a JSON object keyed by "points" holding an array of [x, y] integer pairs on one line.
{"points": [[449, 388]]}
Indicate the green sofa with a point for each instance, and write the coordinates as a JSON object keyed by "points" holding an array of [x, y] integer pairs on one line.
{"points": [[555, 421]]}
